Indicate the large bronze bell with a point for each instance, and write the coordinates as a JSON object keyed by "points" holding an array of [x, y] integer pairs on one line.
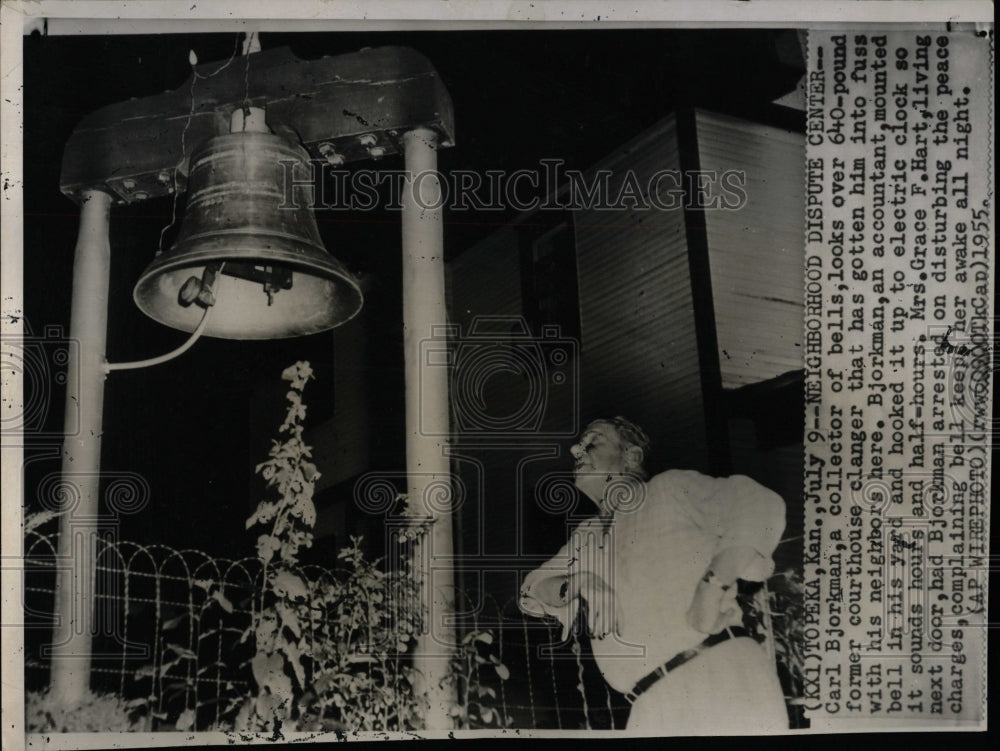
{"points": [[249, 248]]}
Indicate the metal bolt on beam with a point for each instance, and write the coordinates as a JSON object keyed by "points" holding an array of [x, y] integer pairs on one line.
{"points": [[329, 152]]}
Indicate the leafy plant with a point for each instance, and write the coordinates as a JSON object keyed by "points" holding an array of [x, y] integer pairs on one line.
{"points": [[277, 626], [329, 652], [309, 649], [361, 677], [475, 707], [292, 514], [169, 702]]}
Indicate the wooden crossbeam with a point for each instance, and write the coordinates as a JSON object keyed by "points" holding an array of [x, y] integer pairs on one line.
{"points": [[133, 149]]}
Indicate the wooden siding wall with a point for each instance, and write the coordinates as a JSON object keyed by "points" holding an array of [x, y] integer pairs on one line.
{"points": [[638, 344], [639, 353], [757, 252]]}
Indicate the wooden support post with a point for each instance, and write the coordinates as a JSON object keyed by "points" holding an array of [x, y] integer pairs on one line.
{"points": [[72, 642], [427, 419]]}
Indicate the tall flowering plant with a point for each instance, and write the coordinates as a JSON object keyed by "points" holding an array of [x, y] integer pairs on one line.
{"points": [[279, 666], [330, 652]]}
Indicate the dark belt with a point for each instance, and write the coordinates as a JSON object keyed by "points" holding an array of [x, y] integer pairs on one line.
{"points": [[643, 684]]}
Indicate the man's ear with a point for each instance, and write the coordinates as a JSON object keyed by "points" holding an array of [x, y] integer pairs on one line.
{"points": [[633, 458]]}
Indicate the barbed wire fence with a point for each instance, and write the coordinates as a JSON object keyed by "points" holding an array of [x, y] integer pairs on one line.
{"points": [[172, 638], [168, 625]]}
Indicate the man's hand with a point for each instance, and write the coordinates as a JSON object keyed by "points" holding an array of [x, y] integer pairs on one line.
{"points": [[558, 592], [551, 591], [714, 605], [713, 608]]}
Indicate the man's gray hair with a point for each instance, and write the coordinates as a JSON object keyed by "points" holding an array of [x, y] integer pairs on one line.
{"points": [[629, 432]]}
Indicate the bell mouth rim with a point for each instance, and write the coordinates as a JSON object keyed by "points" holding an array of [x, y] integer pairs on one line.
{"points": [[330, 273], [304, 256], [346, 287], [323, 267]]}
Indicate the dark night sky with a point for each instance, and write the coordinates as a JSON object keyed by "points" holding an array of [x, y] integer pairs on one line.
{"points": [[195, 427]]}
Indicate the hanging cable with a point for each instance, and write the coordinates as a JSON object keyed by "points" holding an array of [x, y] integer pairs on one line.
{"points": [[195, 335], [251, 44], [195, 76]]}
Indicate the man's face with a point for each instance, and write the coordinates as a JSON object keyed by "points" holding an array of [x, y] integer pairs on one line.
{"points": [[599, 458]]}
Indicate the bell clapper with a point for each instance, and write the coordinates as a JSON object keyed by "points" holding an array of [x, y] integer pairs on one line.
{"points": [[204, 295], [201, 290]]}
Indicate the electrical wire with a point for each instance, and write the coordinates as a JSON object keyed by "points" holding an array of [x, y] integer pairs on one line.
{"points": [[195, 335], [195, 77]]}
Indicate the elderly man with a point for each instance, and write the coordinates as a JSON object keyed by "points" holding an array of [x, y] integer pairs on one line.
{"points": [[657, 570]]}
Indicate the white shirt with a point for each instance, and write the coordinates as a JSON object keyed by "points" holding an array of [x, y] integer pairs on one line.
{"points": [[651, 554]]}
